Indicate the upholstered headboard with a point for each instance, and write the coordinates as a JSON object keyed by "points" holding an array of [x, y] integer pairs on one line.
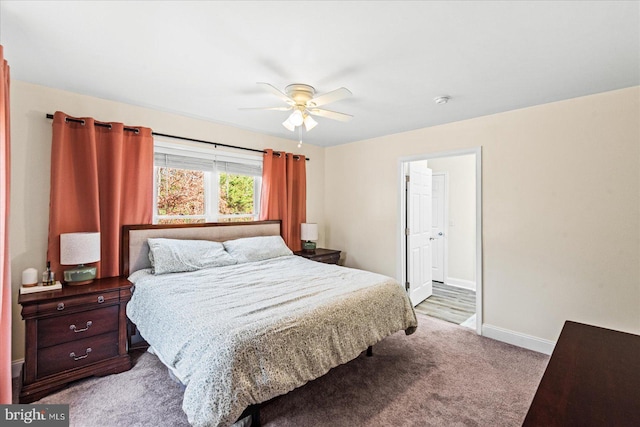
{"points": [[135, 250]]}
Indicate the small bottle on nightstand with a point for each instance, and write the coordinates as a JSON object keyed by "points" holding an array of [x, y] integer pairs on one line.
{"points": [[47, 276]]}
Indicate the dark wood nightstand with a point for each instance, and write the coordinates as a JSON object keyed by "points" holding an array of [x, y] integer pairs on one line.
{"points": [[328, 256], [72, 333]]}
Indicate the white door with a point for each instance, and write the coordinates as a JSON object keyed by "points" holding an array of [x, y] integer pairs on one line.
{"points": [[437, 226], [419, 232]]}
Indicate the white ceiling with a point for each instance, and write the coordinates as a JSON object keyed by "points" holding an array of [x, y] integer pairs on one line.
{"points": [[203, 59]]}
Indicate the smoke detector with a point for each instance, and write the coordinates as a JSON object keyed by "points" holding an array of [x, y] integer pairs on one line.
{"points": [[441, 99]]}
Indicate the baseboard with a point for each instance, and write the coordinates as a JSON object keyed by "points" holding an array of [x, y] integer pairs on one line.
{"points": [[16, 368], [461, 283], [516, 338]]}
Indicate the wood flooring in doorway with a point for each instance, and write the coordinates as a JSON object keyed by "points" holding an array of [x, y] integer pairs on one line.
{"points": [[449, 303]]}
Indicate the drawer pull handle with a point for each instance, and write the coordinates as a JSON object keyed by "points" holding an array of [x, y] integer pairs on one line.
{"points": [[74, 329], [60, 306], [100, 299], [74, 357]]}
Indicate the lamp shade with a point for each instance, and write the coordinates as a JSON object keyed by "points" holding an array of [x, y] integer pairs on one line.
{"points": [[287, 124], [79, 248], [309, 123], [296, 118], [308, 231]]}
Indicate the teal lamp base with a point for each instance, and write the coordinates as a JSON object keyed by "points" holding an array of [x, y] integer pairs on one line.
{"points": [[309, 246], [81, 275]]}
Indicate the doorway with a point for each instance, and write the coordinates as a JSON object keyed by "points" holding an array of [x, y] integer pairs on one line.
{"points": [[440, 236]]}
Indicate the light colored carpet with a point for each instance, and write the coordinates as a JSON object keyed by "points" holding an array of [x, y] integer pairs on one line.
{"points": [[443, 375]]}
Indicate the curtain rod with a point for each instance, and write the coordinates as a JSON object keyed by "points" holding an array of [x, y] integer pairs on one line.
{"points": [[215, 144]]}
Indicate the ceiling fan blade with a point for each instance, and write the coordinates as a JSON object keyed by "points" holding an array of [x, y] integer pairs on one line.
{"points": [[330, 114], [326, 98], [277, 92], [268, 108]]}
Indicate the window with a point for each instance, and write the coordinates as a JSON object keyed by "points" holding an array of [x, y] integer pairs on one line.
{"points": [[205, 186]]}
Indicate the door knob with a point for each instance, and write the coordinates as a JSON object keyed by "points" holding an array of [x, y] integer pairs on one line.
{"points": [[440, 233]]}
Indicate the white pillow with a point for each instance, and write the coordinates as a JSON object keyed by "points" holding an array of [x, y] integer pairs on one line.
{"points": [[249, 249], [175, 256]]}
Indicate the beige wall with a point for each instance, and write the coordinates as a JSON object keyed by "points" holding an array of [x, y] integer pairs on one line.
{"points": [[561, 209], [30, 157], [461, 235]]}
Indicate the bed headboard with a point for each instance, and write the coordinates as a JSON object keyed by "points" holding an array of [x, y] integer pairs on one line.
{"points": [[135, 250]]}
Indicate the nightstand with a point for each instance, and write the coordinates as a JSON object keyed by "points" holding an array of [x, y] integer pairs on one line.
{"points": [[328, 256], [72, 333]]}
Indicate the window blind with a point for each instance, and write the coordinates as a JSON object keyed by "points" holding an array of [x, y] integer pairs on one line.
{"points": [[224, 164]]}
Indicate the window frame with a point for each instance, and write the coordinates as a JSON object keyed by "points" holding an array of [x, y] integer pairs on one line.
{"points": [[211, 180]]}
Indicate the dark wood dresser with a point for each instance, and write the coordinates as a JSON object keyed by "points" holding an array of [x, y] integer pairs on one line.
{"points": [[328, 256], [592, 379], [72, 333]]}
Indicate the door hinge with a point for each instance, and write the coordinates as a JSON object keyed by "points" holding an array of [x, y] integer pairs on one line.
{"points": [[407, 231], [407, 286], [407, 178]]}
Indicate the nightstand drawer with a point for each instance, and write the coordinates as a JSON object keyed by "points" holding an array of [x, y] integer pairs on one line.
{"points": [[328, 259], [75, 326], [85, 301], [327, 256], [76, 354]]}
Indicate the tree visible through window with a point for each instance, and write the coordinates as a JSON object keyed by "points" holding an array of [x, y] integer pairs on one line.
{"points": [[236, 195], [180, 192]]}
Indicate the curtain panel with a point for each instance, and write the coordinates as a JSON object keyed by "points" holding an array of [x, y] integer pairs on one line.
{"points": [[284, 194], [101, 179], [5, 270]]}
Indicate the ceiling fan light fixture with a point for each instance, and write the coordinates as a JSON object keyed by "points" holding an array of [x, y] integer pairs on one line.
{"points": [[309, 123], [287, 124], [296, 118], [303, 102]]}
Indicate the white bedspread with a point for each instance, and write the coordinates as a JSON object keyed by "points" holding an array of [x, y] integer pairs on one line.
{"points": [[243, 334]]}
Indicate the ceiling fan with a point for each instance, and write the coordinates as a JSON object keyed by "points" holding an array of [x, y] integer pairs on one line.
{"points": [[302, 99]]}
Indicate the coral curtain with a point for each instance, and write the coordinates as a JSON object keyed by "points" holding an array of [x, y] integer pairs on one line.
{"points": [[101, 179], [5, 270], [284, 194]]}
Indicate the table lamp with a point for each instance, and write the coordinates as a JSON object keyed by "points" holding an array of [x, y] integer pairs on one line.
{"points": [[80, 249], [308, 235]]}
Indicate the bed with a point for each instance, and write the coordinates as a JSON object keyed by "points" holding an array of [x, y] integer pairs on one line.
{"points": [[245, 330]]}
